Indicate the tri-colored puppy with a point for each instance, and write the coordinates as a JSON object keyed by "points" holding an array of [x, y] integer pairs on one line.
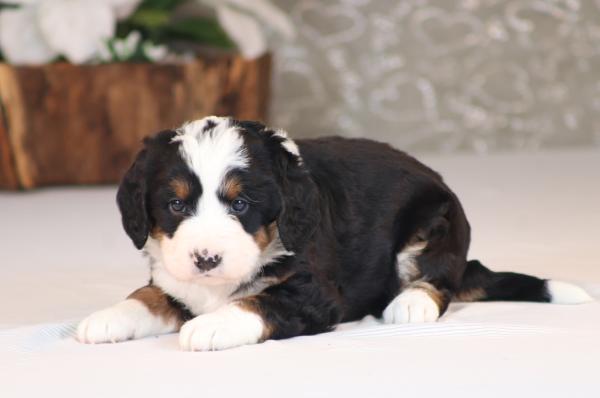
{"points": [[252, 236]]}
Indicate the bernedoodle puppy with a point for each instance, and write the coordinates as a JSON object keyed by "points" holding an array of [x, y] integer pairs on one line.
{"points": [[252, 236]]}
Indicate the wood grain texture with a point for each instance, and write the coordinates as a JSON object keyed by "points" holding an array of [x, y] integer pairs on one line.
{"points": [[8, 173], [68, 124]]}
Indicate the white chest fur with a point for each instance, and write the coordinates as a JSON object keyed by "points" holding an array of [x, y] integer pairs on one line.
{"points": [[198, 298]]}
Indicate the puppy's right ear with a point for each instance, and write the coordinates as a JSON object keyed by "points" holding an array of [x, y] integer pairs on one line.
{"points": [[131, 199]]}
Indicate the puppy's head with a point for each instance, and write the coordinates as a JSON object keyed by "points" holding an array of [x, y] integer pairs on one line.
{"points": [[218, 198]]}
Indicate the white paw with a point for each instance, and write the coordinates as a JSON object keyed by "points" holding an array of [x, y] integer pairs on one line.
{"points": [[229, 326], [127, 320], [411, 306]]}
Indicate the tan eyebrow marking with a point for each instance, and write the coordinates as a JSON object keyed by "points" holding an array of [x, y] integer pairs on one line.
{"points": [[232, 187], [181, 188]]}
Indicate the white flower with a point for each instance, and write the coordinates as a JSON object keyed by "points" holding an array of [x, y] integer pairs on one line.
{"points": [[155, 52], [240, 19], [21, 40], [243, 30], [40, 30], [132, 48], [124, 49], [123, 8], [76, 28]]}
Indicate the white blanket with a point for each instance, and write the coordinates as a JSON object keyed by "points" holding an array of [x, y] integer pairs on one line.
{"points": [[63, 255]]}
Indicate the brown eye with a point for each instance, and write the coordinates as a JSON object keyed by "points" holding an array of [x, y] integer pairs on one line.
{"points": [[239, 206], [177, 206]]}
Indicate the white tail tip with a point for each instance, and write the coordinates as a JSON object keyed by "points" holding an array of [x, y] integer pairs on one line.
{"points": [[566, 293]]}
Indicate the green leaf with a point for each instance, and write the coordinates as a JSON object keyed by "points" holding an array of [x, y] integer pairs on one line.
{"points": [[7, 4], [166, 5], [154, 20], [150, 18]]}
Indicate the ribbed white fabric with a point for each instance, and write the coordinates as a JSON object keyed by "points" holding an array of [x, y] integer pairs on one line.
{"points": [[63, 256]]}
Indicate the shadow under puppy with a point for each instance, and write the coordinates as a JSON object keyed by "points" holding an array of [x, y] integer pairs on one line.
{"points": [[252, 236]]}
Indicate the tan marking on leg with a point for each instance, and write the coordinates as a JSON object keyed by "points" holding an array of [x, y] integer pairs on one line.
{"points": [[249, 299], [252, 304], [431, 290], [158, 304], [470, 295], [232, 187], [181, 188], [406, 261]]}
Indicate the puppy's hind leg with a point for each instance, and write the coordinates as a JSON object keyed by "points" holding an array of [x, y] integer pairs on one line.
{"points": [[427, 279]]}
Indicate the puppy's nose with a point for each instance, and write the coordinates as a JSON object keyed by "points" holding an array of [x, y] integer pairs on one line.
{"points": [[205, 261]]}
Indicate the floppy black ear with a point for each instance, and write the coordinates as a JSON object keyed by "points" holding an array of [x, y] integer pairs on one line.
{"points": [[131, 198], [300, 214]]}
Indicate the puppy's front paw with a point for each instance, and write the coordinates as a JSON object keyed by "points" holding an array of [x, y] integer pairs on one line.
{"points": [[126, 320], [229, 326], [412, 306]]}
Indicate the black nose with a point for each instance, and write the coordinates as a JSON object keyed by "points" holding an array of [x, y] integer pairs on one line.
{"points": [[206, 262]]}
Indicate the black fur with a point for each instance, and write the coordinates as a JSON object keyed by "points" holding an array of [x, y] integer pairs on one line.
{"points": [[505, 286], [372, 200], [300, 213], [131, 198]]}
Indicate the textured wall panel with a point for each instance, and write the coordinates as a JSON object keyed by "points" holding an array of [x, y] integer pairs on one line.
{"points": [[443, 75]]}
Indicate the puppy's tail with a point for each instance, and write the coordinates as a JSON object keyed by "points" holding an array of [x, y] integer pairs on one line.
{"points": [[482, 284]]}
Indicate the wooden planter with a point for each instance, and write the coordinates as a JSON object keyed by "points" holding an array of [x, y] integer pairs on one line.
{"points": [[69, 124]]}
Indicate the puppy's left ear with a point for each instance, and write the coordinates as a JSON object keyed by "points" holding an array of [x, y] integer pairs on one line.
{"points": [[300, 214], [131, 199]]}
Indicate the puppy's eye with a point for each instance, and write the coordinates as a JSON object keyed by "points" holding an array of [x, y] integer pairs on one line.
{"points": [[239, 206], [177, 206]]}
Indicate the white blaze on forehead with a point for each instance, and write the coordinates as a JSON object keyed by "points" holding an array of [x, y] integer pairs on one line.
{"points": [[211, 154], [211, 147]]}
